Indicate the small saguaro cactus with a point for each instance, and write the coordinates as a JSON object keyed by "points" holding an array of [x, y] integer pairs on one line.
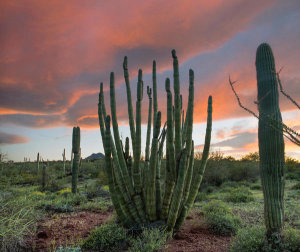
{"points": [[64, 160], [38, 162], [135, 186], [44, 175], [76, 159], [271, 143]]}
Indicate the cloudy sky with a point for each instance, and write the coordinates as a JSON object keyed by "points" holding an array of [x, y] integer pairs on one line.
{"points": [[54, 54]]}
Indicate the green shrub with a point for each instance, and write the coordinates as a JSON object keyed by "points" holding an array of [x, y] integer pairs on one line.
{"points": [[249, 239], [108, 237], [296, 187], [252, 239], [240, 195], [219, 218], [201, 196], [216, 207], [255, 187], [150, 240], [292, 240], [224, 225], [94, 190], [68, 249]]}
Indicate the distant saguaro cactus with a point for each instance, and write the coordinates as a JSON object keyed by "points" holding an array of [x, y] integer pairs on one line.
{"points": [[76, 159], [134, 186], [271, 143], [38, 162], [64, 161], [44, 175]]}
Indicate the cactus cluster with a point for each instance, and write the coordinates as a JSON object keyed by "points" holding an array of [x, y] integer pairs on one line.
{"points": [[138, 193], [76, 160], [271, 143]]}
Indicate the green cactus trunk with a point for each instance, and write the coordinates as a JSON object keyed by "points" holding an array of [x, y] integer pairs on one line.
{"points": [[76, 159], [64, 161], [271, 143], [44, 175], [38, 162], [140, 203]]}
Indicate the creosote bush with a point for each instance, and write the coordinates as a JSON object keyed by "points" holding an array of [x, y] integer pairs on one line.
{"points": [[252, 239], [219, 219], [240, 194], [108, 237]]}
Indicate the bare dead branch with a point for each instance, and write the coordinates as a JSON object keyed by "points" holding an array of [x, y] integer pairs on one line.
{"points": [[283, 92], [238, 99], [288, 132]]}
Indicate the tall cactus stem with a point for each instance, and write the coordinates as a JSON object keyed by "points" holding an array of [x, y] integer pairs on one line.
{"points": [[271, 143], [129, 102]]}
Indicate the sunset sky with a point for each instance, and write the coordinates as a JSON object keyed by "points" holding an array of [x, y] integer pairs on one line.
{"points": [[54, 54]]}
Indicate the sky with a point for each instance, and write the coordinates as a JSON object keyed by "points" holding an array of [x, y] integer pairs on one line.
{"points": [[54, 54]]}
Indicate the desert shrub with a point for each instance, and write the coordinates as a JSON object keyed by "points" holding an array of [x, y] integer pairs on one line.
{"points": [[296, 186], [216, 172], [201, 196], [108, 237], [255, 187], [238, 195], [219, 218], [68, 249], [224, 225], [216, 207], [246, 170], [252, 239], [248, 240], [150, 240], [17, 219], [292, 240], [94, 190]]}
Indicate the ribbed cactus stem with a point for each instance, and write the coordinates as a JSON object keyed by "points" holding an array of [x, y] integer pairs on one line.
{"points": [[154, 83], [151, 194], [118, 145], [271, 143], [171, 164], [76, 159], [177, 104], [198, 172], [147, 149], [127, 149], [129, 102]]}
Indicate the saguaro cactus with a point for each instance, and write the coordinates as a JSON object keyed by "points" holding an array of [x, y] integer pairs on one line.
{"points": [[135, 187], [64, 160], [38, 162], [76, 159], [44, 175], [271, 144]]}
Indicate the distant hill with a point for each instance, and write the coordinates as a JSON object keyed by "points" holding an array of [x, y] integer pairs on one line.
{"points": [[95, 156]]}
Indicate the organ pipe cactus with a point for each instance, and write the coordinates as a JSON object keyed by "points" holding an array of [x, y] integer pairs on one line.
{"points": [[135, 186], [271, 143], [76, 159]]}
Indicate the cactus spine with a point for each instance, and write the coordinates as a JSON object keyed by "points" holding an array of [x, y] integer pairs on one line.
{"points": [[271, 143], [76, 159], [135, 187]]}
